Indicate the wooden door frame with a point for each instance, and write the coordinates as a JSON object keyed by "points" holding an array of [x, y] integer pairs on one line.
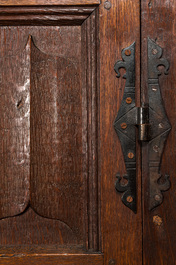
{"points": [[121, 230]]}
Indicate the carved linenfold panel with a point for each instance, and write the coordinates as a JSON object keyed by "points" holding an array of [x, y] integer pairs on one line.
{"points": [[53, 120], [22, 229], [14, 132], [56, 138], [42, 136]]}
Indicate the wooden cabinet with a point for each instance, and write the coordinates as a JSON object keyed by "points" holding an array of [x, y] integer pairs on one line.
{"points": [[59, 152]]}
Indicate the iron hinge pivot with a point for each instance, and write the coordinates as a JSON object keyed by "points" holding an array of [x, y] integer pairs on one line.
{"points": [[152, 122]]}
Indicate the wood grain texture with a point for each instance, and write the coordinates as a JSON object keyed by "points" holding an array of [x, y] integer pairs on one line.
{"points": [[63, 138], [56, 137], [90, 120], [50, 15], [47, 2], [30, 229], [66, 259], [121, 228], [15, 131], [46, 144], [159, 23]]}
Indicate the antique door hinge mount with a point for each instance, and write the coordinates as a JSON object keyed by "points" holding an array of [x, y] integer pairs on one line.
{"points": [[151, 120]]}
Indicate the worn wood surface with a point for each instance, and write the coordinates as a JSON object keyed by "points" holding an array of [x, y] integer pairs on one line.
{"points": [[121, 228], [14, 132], [55, 259], [90, 92], [58, 145], [30, 229], [51, 120], [159, 244], [47, 2], [56, 186], [44, 15], [57, 193]]}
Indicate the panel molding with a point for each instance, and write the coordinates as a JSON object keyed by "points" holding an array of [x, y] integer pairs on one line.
{"points": [[86, 16], [46, 15], [90, 84], [47, 2], [54, 259]]}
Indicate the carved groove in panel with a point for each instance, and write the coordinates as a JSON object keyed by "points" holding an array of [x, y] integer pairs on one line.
{"points": [[47, 194], [53, 150], [56, 139], [66, 15], [30, 228], [90, 81], [14, 133]]}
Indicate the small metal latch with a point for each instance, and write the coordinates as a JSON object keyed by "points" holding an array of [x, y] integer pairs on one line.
{"points": [[151, 120], [143, 124]]}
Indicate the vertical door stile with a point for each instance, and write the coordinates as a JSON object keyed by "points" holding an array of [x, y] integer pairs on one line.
{"points": [[158, 22], [121, 228]]}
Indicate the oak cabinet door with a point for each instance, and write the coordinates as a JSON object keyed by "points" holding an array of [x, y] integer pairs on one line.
{"points": [[49, 202], [59, 152]]}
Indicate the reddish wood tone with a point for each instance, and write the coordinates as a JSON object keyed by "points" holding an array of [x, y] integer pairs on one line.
{"points": [[31, 229], [60, 202], [47, 2], [66, 259], [121, 228], [56, 138], [55, 191], [50, 15], [59, 153], [159, 244], [90, 128], [14, 133]]}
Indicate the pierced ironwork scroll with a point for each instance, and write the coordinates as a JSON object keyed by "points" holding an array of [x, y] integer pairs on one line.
{"points": [[125, 127], [160, 126], [152, 122]]}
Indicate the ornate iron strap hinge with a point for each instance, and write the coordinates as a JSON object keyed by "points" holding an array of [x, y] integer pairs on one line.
{"points": [[152, 122]]}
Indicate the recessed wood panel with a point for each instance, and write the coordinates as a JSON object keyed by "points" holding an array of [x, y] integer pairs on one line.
{"points": [[14, 130], [57, 189], [30, 229], [45, 102], [58, 183]]}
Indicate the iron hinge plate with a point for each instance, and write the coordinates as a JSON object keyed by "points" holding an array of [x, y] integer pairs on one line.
{"points": [[152, 122]]}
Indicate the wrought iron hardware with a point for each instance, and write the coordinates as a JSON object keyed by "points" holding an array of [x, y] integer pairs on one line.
{"points": [[152, 122]]}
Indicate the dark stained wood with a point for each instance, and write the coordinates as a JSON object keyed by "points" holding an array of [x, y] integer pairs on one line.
{"points": [[121, 228], [90, 118], [57, 189], [61, 210], [14, 131], [59, 153], [30, 229], [63, 194], [49, 15], [159, 244], [86, 259], [47, 2]]}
